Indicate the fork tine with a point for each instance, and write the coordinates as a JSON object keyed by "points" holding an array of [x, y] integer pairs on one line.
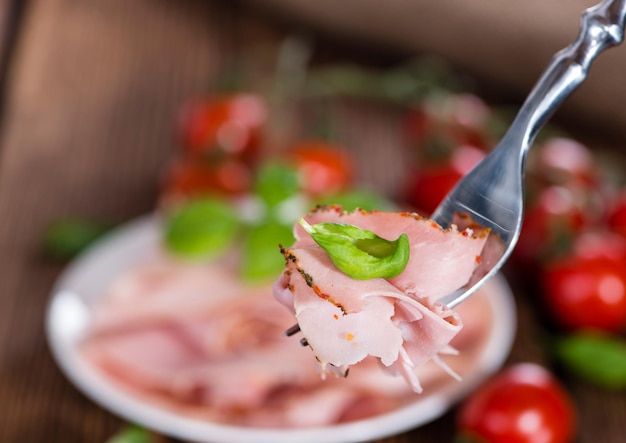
{"points": [[292, 330]]}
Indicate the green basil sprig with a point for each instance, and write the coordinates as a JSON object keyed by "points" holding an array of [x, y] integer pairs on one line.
{"points": [[260, 259], [64, 239], [202, 228], [596, 357], [275, 183], [133, 434], [360, 253]]}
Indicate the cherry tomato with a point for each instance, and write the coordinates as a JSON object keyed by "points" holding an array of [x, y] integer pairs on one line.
{"points": [[450, 136], [441, 124], [616, 218], [561, 160], [562, 198], [429, 185], [587, 288], [225, 126], [324, 168], [550, 224], [522, 404], [187, 177]]}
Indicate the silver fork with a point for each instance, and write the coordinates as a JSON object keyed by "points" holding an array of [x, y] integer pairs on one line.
{"points": [[492, 193]]}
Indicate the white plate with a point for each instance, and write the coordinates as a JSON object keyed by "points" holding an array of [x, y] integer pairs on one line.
{"points": [[84, 281]]}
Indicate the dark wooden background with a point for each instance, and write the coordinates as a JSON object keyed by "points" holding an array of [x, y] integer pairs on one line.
{"points": [[89, 91]]}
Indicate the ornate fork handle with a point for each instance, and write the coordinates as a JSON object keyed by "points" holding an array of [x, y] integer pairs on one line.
{"points": [[601, 27]]}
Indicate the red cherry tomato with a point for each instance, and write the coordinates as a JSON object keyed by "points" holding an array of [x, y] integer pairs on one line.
{"points": [[224, 126], [430, 185], [325, 168], [444, 123], [616, 219], [561, 160], [188, 177], [550, 224], [522, 404], [587, 289]]}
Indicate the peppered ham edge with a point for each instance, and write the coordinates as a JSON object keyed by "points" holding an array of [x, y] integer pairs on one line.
{"points": [[397, 320]]}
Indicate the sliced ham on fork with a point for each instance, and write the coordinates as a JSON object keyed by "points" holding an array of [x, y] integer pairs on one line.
{"points": [[397, 320]]}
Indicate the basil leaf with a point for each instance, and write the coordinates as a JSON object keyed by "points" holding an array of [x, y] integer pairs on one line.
{"points": [[360, 253], [202, 228], [64, 239], [132, 434], [260, 259], [599, 358], [276, 182], [358, 199]]}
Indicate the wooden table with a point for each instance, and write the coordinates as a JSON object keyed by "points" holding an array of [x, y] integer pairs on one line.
{"points": [[91, 90]]}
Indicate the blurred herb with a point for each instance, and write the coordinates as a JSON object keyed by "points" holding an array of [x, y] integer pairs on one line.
{"points": [[597, 357], [276, 182], [202, 228], [64, 239], [261, 259], [358, 199], [132, 434], [360, 253], [206, 227], [407, 83]]}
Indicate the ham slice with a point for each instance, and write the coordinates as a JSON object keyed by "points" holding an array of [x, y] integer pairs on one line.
{"points": [[222, 357], [398, 320]]}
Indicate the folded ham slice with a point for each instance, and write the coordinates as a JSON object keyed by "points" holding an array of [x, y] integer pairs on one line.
{"points": [[222, 357], [398, 320]]}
